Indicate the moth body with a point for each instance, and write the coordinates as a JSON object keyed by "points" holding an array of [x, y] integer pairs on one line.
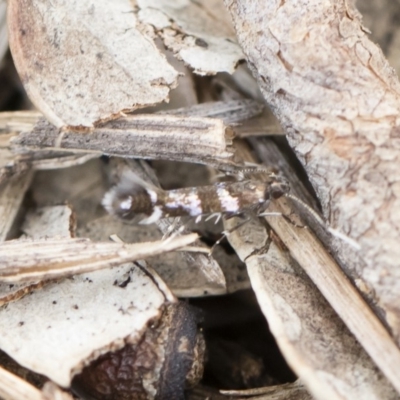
{"points": [[133, 196]]}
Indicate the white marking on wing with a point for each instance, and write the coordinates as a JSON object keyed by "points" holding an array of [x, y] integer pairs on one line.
{"points": [[155, 216], [189, 202], [153, 195], [228, 202]]}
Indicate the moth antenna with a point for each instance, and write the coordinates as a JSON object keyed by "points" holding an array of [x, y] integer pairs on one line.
{"points": [[244, 172], [324, 224], [129, 179]]}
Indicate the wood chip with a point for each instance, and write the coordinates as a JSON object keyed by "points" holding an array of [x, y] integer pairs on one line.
{"points": [[12, 193], [51, 221], [14, 388], [27, 260], [191, 139], [83, 62], [57, 331]]}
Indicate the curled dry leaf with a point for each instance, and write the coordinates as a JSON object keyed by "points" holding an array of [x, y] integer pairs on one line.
{"points": [[83, 61], [57, 331], [199, 33]]}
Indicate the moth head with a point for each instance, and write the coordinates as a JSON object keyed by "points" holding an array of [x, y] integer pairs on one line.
{"points": [[279, 186]]}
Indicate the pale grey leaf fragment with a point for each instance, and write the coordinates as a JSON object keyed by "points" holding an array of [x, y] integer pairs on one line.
{"points": [[50, 221], [57, 331], [200, 33], [84, 62]]}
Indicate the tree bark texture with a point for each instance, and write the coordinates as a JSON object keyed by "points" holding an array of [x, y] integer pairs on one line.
{"points": [[338, 101]]}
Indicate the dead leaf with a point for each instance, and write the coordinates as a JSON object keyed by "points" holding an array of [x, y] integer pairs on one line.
{"points": [[58, 330], [200, 33]]}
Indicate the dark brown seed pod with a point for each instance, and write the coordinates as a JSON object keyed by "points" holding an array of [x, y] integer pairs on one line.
{"points": [[166, 360]]}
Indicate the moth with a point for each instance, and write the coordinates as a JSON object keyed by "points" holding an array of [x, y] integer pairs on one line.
{"points": [[134, 196]]}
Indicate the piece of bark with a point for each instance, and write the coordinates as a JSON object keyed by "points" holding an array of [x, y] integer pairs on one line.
{"points": [[11, 125], [14, 388], [303, 327], [313, 339], [82, 62], [338, 100], [172, 138], [287, 391], [42, 157], [55, 221], [381, 18], [27, 260], [57, 331], [231, 112], [199, 33], [12, 193], [44, 222], [3, 30]]}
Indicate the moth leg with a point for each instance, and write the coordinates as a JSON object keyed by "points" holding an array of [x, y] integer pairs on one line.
{"points": [[261, 212], [172, 231], [226, 233], [217, 215]]}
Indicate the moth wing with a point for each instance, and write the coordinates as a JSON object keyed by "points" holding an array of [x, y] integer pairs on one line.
{"points": [[116, 200]]}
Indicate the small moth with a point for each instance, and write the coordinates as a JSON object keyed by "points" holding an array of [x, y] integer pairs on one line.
{"points": [[133, 196]]}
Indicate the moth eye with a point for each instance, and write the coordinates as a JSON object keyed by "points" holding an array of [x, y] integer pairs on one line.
{"points": [[279, 188]]}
